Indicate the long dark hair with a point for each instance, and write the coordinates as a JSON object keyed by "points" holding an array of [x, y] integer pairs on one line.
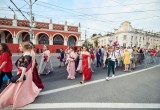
{"points": [[5, 49]]}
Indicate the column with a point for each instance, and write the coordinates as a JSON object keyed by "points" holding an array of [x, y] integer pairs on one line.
{"points": [[15, 40], [79, 27], [78, 42], [65, 26], [50, 41], [34, 41], [65, 41], [51, 25], [14, 20]]}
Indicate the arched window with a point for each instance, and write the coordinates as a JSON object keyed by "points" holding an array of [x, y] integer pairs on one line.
{"points": [[58, 40], [71, 41], [9, 39], [23, 37], [6, 37], [43, 39], [26, 38]]}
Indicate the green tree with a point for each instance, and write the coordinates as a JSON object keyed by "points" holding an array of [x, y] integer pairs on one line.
{"points": [[94, 35], [100, 34], [96, 43]]}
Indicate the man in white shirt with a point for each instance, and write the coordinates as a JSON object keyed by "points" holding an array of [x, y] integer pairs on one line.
{"points": [[111, 62]]}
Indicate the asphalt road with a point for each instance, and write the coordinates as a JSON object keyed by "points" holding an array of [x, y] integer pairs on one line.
{"points": [[139, 87]]}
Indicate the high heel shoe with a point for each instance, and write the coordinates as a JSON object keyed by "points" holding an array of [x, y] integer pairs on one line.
{"points": [[81, 82]]}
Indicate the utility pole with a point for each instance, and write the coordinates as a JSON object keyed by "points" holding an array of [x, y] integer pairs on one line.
{"points": [[86, 37], [31, 23], [85, 34]]}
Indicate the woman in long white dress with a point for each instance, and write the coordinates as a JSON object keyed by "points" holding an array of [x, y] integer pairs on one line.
{"points": [[79, 68], [45, 66]]}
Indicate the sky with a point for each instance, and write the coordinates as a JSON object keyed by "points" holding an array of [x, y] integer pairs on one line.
{"points": [[95, 16]]}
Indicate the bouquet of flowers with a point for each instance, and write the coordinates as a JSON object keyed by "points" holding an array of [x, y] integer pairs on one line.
{"points": [[115, 44], [58, 57], [45, 58]]}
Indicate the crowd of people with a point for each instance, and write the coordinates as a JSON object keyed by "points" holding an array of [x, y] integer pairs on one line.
{"points": [[79, 60], [110, 57]]}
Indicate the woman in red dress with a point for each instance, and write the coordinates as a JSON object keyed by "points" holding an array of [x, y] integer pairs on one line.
{"points": [[5, 62], [86, 71], [36, 78]]}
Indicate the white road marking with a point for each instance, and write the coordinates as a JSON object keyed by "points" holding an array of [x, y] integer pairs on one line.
{"points": [[92, 82], [91, 105]]}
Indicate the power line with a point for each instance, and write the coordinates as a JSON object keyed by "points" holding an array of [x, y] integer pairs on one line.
{"points": [[11, 9], [129, 7], [140, 11], [116, 5], [19, 10], [75, 12], [26, 2], [50, 17], [117, 12]]}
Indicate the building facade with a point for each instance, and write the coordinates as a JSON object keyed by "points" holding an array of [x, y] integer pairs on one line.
{"points": [[102, 40], [126, 36], [14, 31]]}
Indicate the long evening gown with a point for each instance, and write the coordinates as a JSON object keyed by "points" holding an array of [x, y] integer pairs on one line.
{"points": [[45, 67], [86, 71], [36, 78], [21, 93], [71, 66]]}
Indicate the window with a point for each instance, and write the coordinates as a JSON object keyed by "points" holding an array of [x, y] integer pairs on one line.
{"points": [[124, 37], [140, 39], [124, 44], [58, 40], [131, 38], [26, 38], [43, 39], [71, 41]]}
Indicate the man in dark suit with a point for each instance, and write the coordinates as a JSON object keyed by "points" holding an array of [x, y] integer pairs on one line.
{"points": [[62, 55]]}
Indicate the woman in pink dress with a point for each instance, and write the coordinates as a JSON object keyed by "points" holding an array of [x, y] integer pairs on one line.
{"points": [[23, 91], [71, 64], [86, 71]]}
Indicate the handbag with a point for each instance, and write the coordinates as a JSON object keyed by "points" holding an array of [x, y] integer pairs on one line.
{"points": [[16, 77]]}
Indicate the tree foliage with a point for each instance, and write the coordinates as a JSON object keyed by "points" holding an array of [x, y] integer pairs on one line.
{"points": [[96, 43], [94, 35]]}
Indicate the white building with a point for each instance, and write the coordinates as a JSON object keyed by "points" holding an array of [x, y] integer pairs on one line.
{"points": [[102, 40], [126, 35]]}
